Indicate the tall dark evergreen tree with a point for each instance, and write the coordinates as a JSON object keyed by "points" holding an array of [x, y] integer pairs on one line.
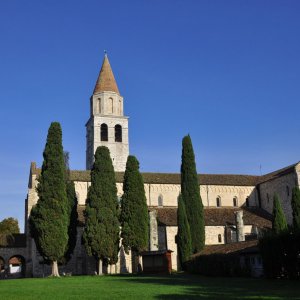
{"points": [[191, 195], [183, 238], [279, 221], [101, 233], [72, 211], [73, 216], [114, 258], [49, 217], [134, 210], [296, 208]]}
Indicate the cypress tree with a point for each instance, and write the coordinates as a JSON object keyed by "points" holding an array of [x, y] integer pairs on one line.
{"points": [[72, 211], [114, 258], [296, 208], [134, 210], [49, 218], [101, 233], [279, 222], [183, 238], [191, 195], [72, 219]]}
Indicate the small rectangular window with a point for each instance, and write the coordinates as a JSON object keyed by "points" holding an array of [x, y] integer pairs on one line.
{"points": [[234, 201], [219, 238]]}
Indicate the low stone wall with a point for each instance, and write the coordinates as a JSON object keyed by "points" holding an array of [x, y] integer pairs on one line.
{"points": [[6, 253]]}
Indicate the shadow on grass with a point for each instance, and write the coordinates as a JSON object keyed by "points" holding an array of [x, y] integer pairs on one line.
{"points": [[185, 286]]}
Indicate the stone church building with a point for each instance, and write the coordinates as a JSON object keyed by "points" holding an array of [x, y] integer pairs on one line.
{"points": [[237, 208]]}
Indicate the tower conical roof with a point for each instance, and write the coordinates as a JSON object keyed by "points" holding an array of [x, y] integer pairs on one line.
{"points": [[106, 81]]}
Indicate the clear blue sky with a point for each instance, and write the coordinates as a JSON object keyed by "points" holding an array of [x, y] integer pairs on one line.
{"points": [[227, 72]]}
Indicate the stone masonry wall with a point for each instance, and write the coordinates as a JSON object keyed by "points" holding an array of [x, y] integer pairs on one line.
{"points": [[212, 233], [171, 245], [81, 263], [170, 192], [298, 174], [283, 186]]}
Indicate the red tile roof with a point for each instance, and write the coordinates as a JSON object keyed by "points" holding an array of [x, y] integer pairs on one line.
{"points": [[219, 216], [240, 247], [213, 216], [174, 178], [106, 81]]}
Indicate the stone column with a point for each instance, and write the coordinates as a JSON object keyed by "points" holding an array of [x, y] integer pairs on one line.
{"points": [[239, 226], [153, 230]]}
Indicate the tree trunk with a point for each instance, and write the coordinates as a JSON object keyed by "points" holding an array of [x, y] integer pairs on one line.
{"points": [[100, 267], [139, 265], [55, 269], [133, 262]]}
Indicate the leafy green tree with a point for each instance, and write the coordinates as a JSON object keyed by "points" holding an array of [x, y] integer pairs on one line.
{"points": [[183, 238], [296, 208], [49, 217], [279, 221], [134, 210], [8, 227], [101, 233], [191, 195]]}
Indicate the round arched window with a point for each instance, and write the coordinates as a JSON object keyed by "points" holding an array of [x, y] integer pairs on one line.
{"points": [[118, 133], [160, 200], [104, 132], [235, 202]]}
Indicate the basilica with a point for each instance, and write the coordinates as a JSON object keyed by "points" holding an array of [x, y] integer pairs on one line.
{"points": [[237, 208]]}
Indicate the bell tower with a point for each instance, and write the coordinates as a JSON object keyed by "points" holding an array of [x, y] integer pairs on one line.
{"points": [[107, 125]]}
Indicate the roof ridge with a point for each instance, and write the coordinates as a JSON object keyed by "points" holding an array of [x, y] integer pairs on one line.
{"points": [[276, 173]]}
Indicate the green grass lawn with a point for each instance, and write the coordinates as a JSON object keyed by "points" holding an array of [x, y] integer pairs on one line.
{"points": [[148, 287]]}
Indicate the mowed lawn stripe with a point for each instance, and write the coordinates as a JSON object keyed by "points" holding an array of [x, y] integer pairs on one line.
{"points": [[148, 287]]}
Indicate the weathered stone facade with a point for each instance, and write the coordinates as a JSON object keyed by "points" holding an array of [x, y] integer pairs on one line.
{"points": [[165, 196], [107, 125], [282, 183], [222, 195]]}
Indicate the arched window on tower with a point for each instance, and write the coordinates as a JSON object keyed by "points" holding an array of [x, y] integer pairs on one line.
{"points": [[118, 133], [99, 105], [160, 200], [235, 201], [218, 201], [120, 107], [104, 132], [111, 105]]}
